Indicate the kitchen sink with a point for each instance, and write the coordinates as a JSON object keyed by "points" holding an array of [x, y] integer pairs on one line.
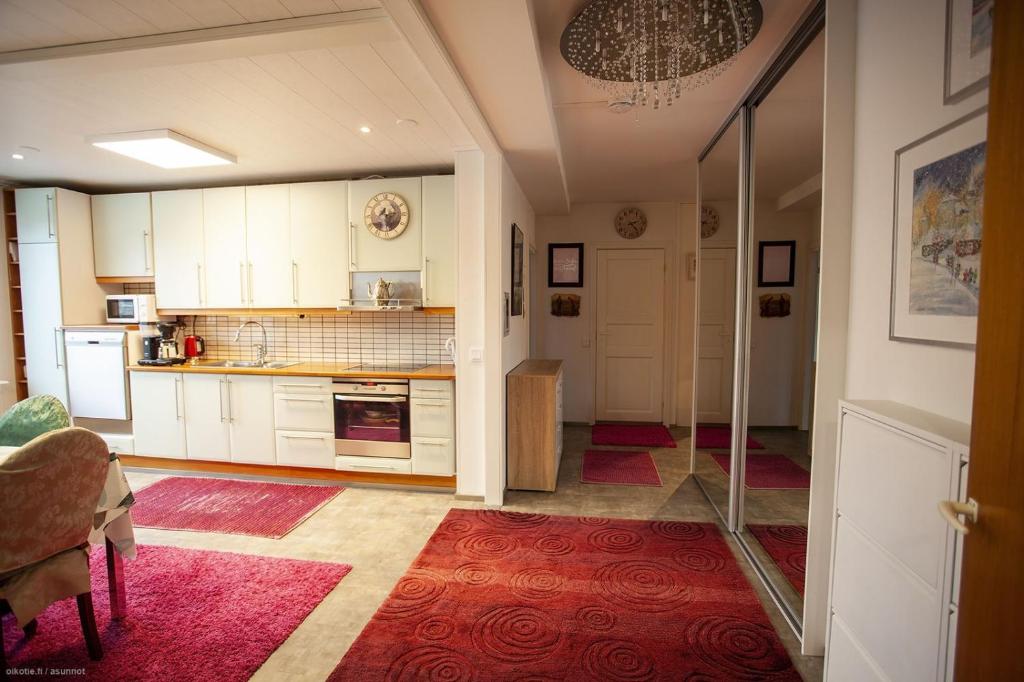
{"points": [[245, 363]]}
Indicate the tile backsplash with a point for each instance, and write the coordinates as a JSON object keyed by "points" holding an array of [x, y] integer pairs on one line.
{"points": [[384, 337]]}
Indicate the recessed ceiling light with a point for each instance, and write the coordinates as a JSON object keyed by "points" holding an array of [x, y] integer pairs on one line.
{"points": [[410, 122], [364, 129], [163, 148], [17, 156]]}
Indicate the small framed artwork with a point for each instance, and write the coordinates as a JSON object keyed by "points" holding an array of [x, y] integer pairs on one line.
{"points": [[505, 313], [565, 265], [968, 47], [518, 255], [776, 263], [937, 235]]}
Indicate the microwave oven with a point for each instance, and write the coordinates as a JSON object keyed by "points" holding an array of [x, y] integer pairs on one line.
{"points": [[131, 309]]}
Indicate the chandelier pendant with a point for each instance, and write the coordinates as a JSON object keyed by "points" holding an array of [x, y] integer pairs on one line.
{"points": [[641, 51]]}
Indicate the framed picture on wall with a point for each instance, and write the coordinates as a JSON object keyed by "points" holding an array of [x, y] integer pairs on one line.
{"points": [[518, 255], [937, 235], [776, 263], [565, 265], [968, 47]]}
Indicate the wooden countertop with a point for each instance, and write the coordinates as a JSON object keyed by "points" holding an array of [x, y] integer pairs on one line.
{"points": [[537, 368], [307, 369]]}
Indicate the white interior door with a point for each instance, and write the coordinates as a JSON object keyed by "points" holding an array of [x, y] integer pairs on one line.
{"points": [[715, 335], [630, 334], [41, 301]]}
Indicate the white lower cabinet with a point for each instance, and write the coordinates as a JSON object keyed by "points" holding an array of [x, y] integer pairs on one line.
{"points": [[304, 419], [305, 449], [158, 416], [433, 456], [207, 430], [304, 412], [432, 417], [380, 465], [251, 414]]}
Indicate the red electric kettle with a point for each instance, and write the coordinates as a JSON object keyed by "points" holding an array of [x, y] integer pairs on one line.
{"points": [[194, 346]]}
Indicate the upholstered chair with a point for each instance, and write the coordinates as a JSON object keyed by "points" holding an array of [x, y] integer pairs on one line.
{"points": [[49, 489]]}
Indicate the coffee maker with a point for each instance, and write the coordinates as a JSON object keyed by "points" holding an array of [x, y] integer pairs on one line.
{"points": [[161, 349], [168, 340]]}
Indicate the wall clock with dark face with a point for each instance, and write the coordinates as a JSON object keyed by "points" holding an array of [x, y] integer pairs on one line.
{"points": [[708, 221], [630, 223], [386, 215]]}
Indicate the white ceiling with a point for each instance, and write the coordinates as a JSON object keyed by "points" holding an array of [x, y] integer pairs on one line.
{"points": [[288, 103]]}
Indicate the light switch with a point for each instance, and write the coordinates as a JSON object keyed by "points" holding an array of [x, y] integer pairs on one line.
{"points": [[476, 354]]}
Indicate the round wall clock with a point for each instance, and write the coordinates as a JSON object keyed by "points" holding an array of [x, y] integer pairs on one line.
{"points": [[386, 215], [708, 221], [630, 223]]}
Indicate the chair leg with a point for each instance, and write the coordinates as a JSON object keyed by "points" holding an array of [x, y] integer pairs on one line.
{"points": [[3, 653], [30, 628], [88, 618]]}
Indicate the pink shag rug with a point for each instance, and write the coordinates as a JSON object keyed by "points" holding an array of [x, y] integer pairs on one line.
{"points": [[720, 438], [769, 472], [617, 467], [192, 615], [636, 435], [227, 505]]}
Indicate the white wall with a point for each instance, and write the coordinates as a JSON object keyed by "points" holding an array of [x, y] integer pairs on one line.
{"points": [[898, 100], [571, 339]]}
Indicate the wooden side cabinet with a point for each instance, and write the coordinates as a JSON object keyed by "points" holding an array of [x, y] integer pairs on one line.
{"points": [[534, 425]]}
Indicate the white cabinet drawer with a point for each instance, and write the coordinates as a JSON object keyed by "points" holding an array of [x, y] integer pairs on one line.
{"points": [[433, 456], [302, 384], [380, 465], [306, 412], [305, 449], [431, 418], [430, 388]]}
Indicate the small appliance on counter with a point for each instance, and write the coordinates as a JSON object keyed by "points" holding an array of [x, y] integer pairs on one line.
{"points": [[131, 309], [195, 346], [162, 350]]}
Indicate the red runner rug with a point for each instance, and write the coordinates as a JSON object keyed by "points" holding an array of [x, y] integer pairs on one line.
{"points": [[192, 615], [513, 596], [227, 505], [720, 438], [787, 546], [769, 472], [635, 435], [619, 467]]}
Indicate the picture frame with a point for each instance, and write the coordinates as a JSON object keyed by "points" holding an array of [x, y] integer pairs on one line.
{"points": [[937, 235], [506, 310], [565, 264], [518, 258], [776, 263], [968, 48]]}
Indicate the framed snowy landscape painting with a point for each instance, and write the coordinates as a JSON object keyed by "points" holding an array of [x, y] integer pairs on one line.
{"points": [[937, 235]]}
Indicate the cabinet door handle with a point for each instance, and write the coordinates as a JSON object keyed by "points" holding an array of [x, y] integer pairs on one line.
{"points": [[145, 250], [952, 510], [49, 216], [177, 405], [250, 282], [426, 280], [301, 400], [294, 437], [231, 409], [241, 280], [199, 282], [295, 283], [430, 403], [436, 445], [56, 347], [300, 385], [221, 396], [352, 245], [370, 466]]}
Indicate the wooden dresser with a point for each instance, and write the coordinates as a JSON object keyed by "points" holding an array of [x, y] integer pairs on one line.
{"points": [[534, 424]]}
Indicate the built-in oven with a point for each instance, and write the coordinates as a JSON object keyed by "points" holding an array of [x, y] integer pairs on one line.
{"points": [[371, 417]]}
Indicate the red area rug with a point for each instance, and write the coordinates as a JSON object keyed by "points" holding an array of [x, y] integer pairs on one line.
{"points": [[637, 435], [618, 467], [787, 546], [227, 505], [720, 438], [192, 615], [506, 596], [769, 472]]}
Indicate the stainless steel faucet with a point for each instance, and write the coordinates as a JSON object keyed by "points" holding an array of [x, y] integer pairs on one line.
{"points": [[261, 349]]}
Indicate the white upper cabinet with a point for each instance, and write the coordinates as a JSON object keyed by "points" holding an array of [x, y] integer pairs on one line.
{"points": [[319, 238], [439, 248], [178, 248], [372, 253], [269, 268], [37, 215], [122, 231], [227, 284]]}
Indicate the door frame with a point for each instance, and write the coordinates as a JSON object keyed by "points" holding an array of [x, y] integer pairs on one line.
{"points": [[670, 321]]}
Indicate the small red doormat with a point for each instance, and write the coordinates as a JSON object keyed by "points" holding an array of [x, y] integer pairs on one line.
{"points": [[637, 435], [769, 472], [618, 467], [192, 615], [787, 546], [227, 505], [513, 596], [720, 438]]}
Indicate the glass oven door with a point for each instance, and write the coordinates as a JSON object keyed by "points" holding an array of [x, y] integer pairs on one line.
{"points": [[371, 425]]}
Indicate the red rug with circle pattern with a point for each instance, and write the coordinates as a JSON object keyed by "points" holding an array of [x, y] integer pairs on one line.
{"points": [[513, 596], [787, 546]]}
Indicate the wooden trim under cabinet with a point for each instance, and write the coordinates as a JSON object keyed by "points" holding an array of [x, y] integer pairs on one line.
{"points": [[281, 311], [148, 279], [534, 453]]}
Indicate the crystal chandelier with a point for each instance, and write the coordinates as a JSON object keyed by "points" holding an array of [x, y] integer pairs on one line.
{"points": [[641, 50]]}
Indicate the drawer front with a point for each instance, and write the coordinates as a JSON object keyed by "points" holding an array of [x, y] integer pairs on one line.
{"points": [[433, 456], [303, 412], [423, 388], [380, 465], [301, 385], [305, 449], [431, 418]]}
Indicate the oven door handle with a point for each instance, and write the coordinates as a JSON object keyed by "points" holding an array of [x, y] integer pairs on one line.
{"points": [[370, 398]]}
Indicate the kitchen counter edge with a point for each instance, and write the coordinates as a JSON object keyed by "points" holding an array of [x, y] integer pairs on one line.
{"points": [[308, 369]]}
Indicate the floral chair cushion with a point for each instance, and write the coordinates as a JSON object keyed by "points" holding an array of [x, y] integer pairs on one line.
{"points": [[32, 417]]}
